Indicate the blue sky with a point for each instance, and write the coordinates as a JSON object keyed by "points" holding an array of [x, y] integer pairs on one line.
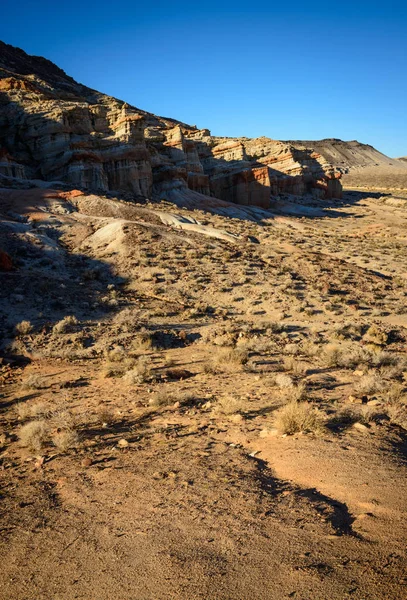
{"points": [[292, 70]]}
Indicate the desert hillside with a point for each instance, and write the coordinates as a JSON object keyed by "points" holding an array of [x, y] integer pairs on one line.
{"points": [[203, 357]]}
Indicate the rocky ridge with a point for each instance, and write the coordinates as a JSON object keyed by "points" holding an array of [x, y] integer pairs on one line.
{"points": [[55, 129]]}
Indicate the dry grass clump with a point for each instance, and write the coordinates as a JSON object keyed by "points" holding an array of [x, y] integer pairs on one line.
{"points": [[65, 439], [398, 415], [117, 354], [142, 343], [369, 384], [294, 393], [57, 425], [139, 373], [229, 405], [396, 394], [34, 434], [332, 355], [32, 411], [118, 363], [284, 381], [162, 398], [66, 325], [23, 328], [296, 417], [376, 335], [33, 382], [226, 359], [127, 320], [294, 366]]}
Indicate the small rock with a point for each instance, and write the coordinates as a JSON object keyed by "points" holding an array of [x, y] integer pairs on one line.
{"points": [[373, 403], [86, 462], [354, 400], [122, 443], [360, 427], [358, 372]]}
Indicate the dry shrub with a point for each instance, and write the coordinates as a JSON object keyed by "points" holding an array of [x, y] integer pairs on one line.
{"points": [[106, 416], [33, 382], [65, 439], [140, 373], [376, 335], [284, 381], [398, 415], [142, 343], [332, 355], [353, 356], [229, 405], [293, 365], [66, 325], [23, 328], [369, 384], [226, 359], [384, 359], [57, 425], [310, 349], [396, 394], [34, 434], [294, 393], [32, 411], [117, 354], [162, 398], [298, 416]]}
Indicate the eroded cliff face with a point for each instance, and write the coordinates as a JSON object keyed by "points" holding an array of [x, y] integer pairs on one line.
{"points": [[54, 129]]}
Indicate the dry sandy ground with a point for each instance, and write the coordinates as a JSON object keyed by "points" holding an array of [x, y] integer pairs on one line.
{"points": [[164, 470]]}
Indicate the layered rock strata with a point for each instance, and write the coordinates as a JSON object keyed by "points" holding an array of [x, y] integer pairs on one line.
{"points": [[54, 129]]}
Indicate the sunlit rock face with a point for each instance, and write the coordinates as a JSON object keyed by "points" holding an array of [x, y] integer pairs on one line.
{"points": [[54, 129]]}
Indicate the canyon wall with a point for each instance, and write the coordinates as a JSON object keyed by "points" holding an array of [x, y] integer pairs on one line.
{"points": [[54, 129]]}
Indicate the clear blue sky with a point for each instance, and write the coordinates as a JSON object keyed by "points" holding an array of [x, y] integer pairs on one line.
{"points": [[287, 70]]}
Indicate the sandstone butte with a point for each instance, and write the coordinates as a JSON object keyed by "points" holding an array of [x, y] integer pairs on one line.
{"points": [[53, 129]]}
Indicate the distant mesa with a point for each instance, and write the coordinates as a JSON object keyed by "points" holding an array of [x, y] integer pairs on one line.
{"points": [[55, 129]]}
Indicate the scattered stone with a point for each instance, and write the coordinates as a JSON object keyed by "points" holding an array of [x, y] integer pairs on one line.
{"points": [[86, 462], [360, 427], [122, 443]]}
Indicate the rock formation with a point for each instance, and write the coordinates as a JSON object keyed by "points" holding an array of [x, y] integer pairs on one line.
{"points": [[54, 129]]}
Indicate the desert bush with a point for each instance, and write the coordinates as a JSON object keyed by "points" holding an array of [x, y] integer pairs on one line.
{"points": [[284, 381], [226, 359], [162, 398], [294, 393], [139, 373], [32, 411], [398, 415], [294, 366], [369, 384], [376, 335], [33, 382], [384, 359], [65, 439], [229, 405], [332, 355], [23, 328], [353, 356], [276, 327], [117, 354], [396, 393], [142, 342], [34, 434], [66, 325], [298, 416]]}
